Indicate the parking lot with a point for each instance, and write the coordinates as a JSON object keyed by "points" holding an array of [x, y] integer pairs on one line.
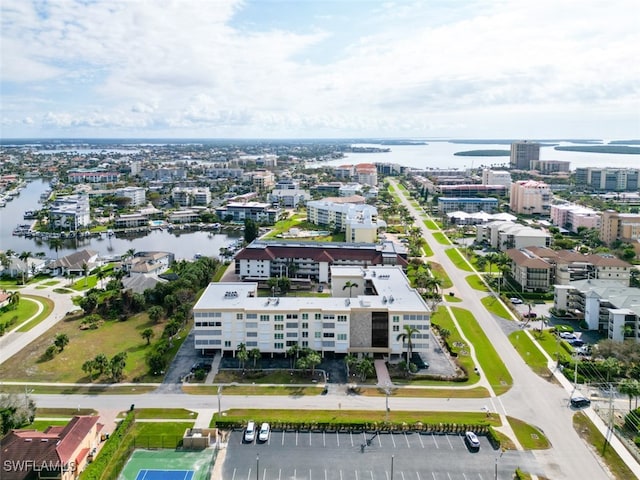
{"points": [[332, 455]]}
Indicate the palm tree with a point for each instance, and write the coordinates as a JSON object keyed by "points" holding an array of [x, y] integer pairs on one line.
{"points": [[364, 368], [242, 354], [85, 271], [350, 285], [24, 256], [293, 352], [491, 258], [350, 361], [405, 337], [254, 354], [631, 388], [100, 276]]}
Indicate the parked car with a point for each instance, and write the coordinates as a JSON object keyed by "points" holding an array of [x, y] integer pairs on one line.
{"points": [[472, 440], [568, 336], [250, 432], [578, 401], [576, 342], [515, 301], [530, 315], [265, 431]]}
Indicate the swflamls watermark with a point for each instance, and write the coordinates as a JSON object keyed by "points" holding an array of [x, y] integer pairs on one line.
{"points": [[38, 466]]}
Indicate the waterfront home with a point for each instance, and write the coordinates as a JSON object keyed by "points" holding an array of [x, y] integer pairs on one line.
{"points": [[74, 264]]}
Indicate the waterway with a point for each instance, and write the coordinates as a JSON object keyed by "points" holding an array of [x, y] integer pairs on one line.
{"points": [[182, 244], [436, 154]]}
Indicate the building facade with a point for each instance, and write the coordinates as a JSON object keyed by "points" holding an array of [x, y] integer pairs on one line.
{"points": [[608, 179], [530, 197], [368, 309], [136, 194], [572, 217], [257, 211], [619, 226], [468, 205], [522, 153], [335, 213]]}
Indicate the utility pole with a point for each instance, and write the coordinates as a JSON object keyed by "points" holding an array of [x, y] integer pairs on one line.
{"points": [[391, 478]]}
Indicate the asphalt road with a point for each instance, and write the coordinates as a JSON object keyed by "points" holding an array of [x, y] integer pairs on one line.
{"points": [[531, 398]]}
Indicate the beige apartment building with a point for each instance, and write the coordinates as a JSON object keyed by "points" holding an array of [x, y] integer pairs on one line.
{"points": [[530, 197], [619, 226]]}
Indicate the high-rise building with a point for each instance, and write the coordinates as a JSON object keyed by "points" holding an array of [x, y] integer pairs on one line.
{"points": [[522, 153], [530, 197], [619, 226]]}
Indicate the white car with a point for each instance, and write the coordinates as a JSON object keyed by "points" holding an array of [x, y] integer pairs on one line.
{"points": [[515, 301], [250, 432], [472, 440], [567, 335], [265, 430]]}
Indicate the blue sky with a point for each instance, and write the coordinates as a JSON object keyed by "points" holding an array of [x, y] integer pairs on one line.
{"points": [[320, 68]]}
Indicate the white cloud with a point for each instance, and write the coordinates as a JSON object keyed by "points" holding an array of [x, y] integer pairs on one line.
{"points": [[182, 66]]}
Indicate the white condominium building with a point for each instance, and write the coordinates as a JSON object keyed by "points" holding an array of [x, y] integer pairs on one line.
{"points": [[366, 313]]}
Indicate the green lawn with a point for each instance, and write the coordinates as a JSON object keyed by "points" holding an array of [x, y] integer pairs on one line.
{"points": [[492, 365], [440, 273], [530, 353], [441, 238], [551, 344], [431, 225], [476, 283], [496, 307], [257, 389], [112, 337], [588, 431], [24, 310], [458, 260], [426, 249], [442, 319], [164, 413], [160, 434], [451, 299], [358, 416], [48, 305], [529, 436], [42, 425], [85, 283]]}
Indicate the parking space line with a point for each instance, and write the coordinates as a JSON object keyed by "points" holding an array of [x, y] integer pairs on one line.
{"points": [[233, 477], [433, 474], [464, 476], [351, 437], [402, 474], [282, 437], [296, 438], [309, 437], [325, 474], [356, 474], [324, 439], [340, 474], [249, 474], [393, 440], [418, 475], [379, 441], [406, 437], [434, 440], [371, 473], [279, 474], [447, 437], [338, 437], [448, 476], [420, 438], [309, 474]]}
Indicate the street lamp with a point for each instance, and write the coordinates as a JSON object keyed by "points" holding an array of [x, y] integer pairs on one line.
{"points": [[219, 398]]}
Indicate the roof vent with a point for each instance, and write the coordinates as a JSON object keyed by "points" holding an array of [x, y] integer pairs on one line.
{"points": [[28, 439]]}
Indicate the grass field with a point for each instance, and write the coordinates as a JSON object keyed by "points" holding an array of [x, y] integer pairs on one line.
{"points": [[476, 283], [441, 238], [529, 436], [112, 337], [24, 310], [588, 431], [530, 353], [496, 307], [85, 283], [426, 249], [549, 342], [442, 318], [48, 305], [492, 365], [440, 273], [431, 225], [458, 260], [358, 416], [252, 390]]}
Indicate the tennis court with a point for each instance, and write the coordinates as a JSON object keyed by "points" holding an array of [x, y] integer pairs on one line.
{"points": [[168, 465]]}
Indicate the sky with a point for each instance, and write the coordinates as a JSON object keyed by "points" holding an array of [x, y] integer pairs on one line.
{"points": [[320, 69]]}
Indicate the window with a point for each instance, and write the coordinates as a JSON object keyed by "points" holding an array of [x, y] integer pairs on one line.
{"points": [[292, 325], [328, 325], [305, 344], [252, 334], [396, 328], [342, 336], [342, 318], [278, 327], [278, 318], [318, 335], [239, 316], [278, 346], [396, 318], [328, 334], [252, 316], [227, 343], [264, 318], [305, 316], [305, 334], [305, 325], [278, 336], [318, 316], [292, 316]]}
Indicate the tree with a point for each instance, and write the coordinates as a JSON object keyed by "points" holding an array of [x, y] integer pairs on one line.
{"points": [[147, 334], [405, 337], [491, 259], [251, 230], [101, 363], [24, 256], [100, 275], [364, 368], [350, 285], [61, 341], [481, 263], [155, 313], [631, 388], [116, 366], [88, 303], [242, 354], [14, 299], [254, 354], [350, 361], [85, 272], [444, 333], [15, 412], [313, 360], [88, 367], [293, 352]]}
